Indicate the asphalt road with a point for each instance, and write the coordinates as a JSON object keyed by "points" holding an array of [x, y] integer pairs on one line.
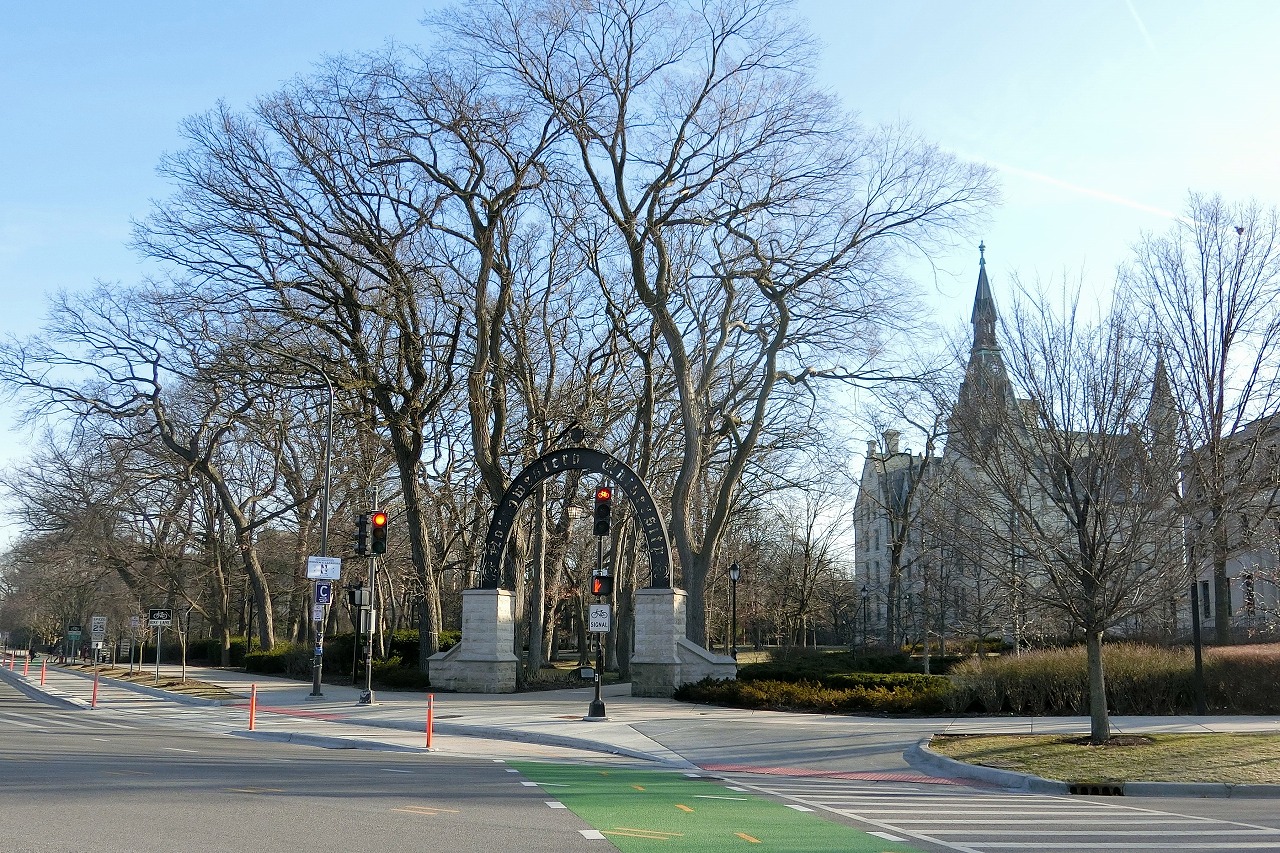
{"points": [[74, 780], [935, 817], [170, 778]]}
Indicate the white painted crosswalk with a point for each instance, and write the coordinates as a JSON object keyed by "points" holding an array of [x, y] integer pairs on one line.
{"points": [[972, 821]]}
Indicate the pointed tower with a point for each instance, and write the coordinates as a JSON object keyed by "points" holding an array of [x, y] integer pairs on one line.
{"points": [[1162, 420], [1162, 412], [985, 397]]}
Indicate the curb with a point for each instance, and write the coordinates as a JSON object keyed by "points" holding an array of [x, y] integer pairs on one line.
{"points": [[329, 742], [522, 736], [42, 694], [156, 692], [924, 758]]}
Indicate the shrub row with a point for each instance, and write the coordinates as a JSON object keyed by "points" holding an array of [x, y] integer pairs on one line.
{"points": [[1141, 679], [399, 670], [817, 666], [926, 695]]}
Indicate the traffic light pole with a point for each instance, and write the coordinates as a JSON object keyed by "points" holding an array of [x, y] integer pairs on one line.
{"points": [[595, 711], [366, 698]]}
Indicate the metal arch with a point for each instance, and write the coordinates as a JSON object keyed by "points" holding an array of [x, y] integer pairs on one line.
{"points": [[657, 542]]}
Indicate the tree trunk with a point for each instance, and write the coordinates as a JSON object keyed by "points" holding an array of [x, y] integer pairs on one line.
{"points": [[408, 453], [1099, 716]]}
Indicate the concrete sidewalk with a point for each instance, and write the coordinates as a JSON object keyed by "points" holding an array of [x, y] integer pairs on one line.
{"points": [[890, 749]]}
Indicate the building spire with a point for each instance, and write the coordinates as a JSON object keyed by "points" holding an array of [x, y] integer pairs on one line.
{"points": [[984, 307], [1162, 414]]}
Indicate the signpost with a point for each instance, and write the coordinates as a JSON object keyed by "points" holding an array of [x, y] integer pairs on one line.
{"points": [[73, 642], [324, 571], [158, 618], [98, 628]]}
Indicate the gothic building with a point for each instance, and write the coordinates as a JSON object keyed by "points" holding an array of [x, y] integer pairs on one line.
{"points": [[928, 562]]}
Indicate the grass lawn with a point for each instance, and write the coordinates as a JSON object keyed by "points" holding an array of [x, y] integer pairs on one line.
{"points": [[147, 678], [1234, 759]]}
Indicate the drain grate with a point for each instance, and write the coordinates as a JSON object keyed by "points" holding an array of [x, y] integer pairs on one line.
{"points": [[1096, 790]]}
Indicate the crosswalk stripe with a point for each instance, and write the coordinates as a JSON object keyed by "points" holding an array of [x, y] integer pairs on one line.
{"points": [[977, 822]]}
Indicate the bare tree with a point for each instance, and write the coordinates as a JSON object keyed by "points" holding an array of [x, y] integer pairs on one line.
{"points": [[1211, 286], [756, 222], [122, 357], [1069, 482]]}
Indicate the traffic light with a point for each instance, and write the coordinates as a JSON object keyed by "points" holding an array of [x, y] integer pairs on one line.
{"points": [[362, 534], [602, 585], [378, 541], [604, 500]]}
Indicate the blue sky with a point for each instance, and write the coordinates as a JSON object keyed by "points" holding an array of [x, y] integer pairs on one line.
{"points": [[1100, 114]]}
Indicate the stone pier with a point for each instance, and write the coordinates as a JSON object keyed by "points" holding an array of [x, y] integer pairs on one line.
{"points": [[664, 658], [484, 660]]}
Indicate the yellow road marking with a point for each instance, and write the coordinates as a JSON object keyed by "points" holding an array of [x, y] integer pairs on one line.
{"points": [[638, 787], [651, 834], [425, 810], [683, 808], [746, 837]]}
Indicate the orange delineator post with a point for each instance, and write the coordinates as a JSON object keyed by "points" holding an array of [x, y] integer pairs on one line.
{"points": [[431, 707], [253, 704], [93, 703], [26, 666], [43, 666]]}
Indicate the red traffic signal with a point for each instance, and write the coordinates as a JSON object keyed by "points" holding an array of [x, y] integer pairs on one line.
{"points": [[602, 585], [603, 508], [378, 537]]}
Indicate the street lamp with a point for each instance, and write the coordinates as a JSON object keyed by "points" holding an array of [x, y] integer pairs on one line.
{"points": [[317, 661], [735, 572], [865, 617]]}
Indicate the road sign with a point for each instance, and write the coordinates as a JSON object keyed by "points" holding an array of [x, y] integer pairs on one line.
{"points": [[324, 568], [599, 617], [324, 592], [317, 613], [135, 621], [98, 628], [159, 617]]}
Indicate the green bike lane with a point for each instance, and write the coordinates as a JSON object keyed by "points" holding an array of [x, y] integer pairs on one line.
{"points": [[646, 810]]}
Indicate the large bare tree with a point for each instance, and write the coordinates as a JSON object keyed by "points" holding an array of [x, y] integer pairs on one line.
{"points": [[1211, 286], [755, 220], [1069, 481]]}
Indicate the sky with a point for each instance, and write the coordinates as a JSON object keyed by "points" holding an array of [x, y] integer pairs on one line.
{"points": [[1100, 115]]}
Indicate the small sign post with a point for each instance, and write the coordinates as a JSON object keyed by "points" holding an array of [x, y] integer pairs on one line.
{"points": [[158, 618], [599, 618]]}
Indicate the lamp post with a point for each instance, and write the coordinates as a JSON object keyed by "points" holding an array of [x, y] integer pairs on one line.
{"points": [[865, 617], [735, 572], [317, 661]]}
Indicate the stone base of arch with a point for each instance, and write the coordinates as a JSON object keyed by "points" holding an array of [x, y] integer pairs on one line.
{"points": [[664, 658], [483, 661]]}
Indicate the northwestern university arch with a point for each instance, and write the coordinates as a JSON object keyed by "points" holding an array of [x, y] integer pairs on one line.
{"points": [[484, 661]]}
